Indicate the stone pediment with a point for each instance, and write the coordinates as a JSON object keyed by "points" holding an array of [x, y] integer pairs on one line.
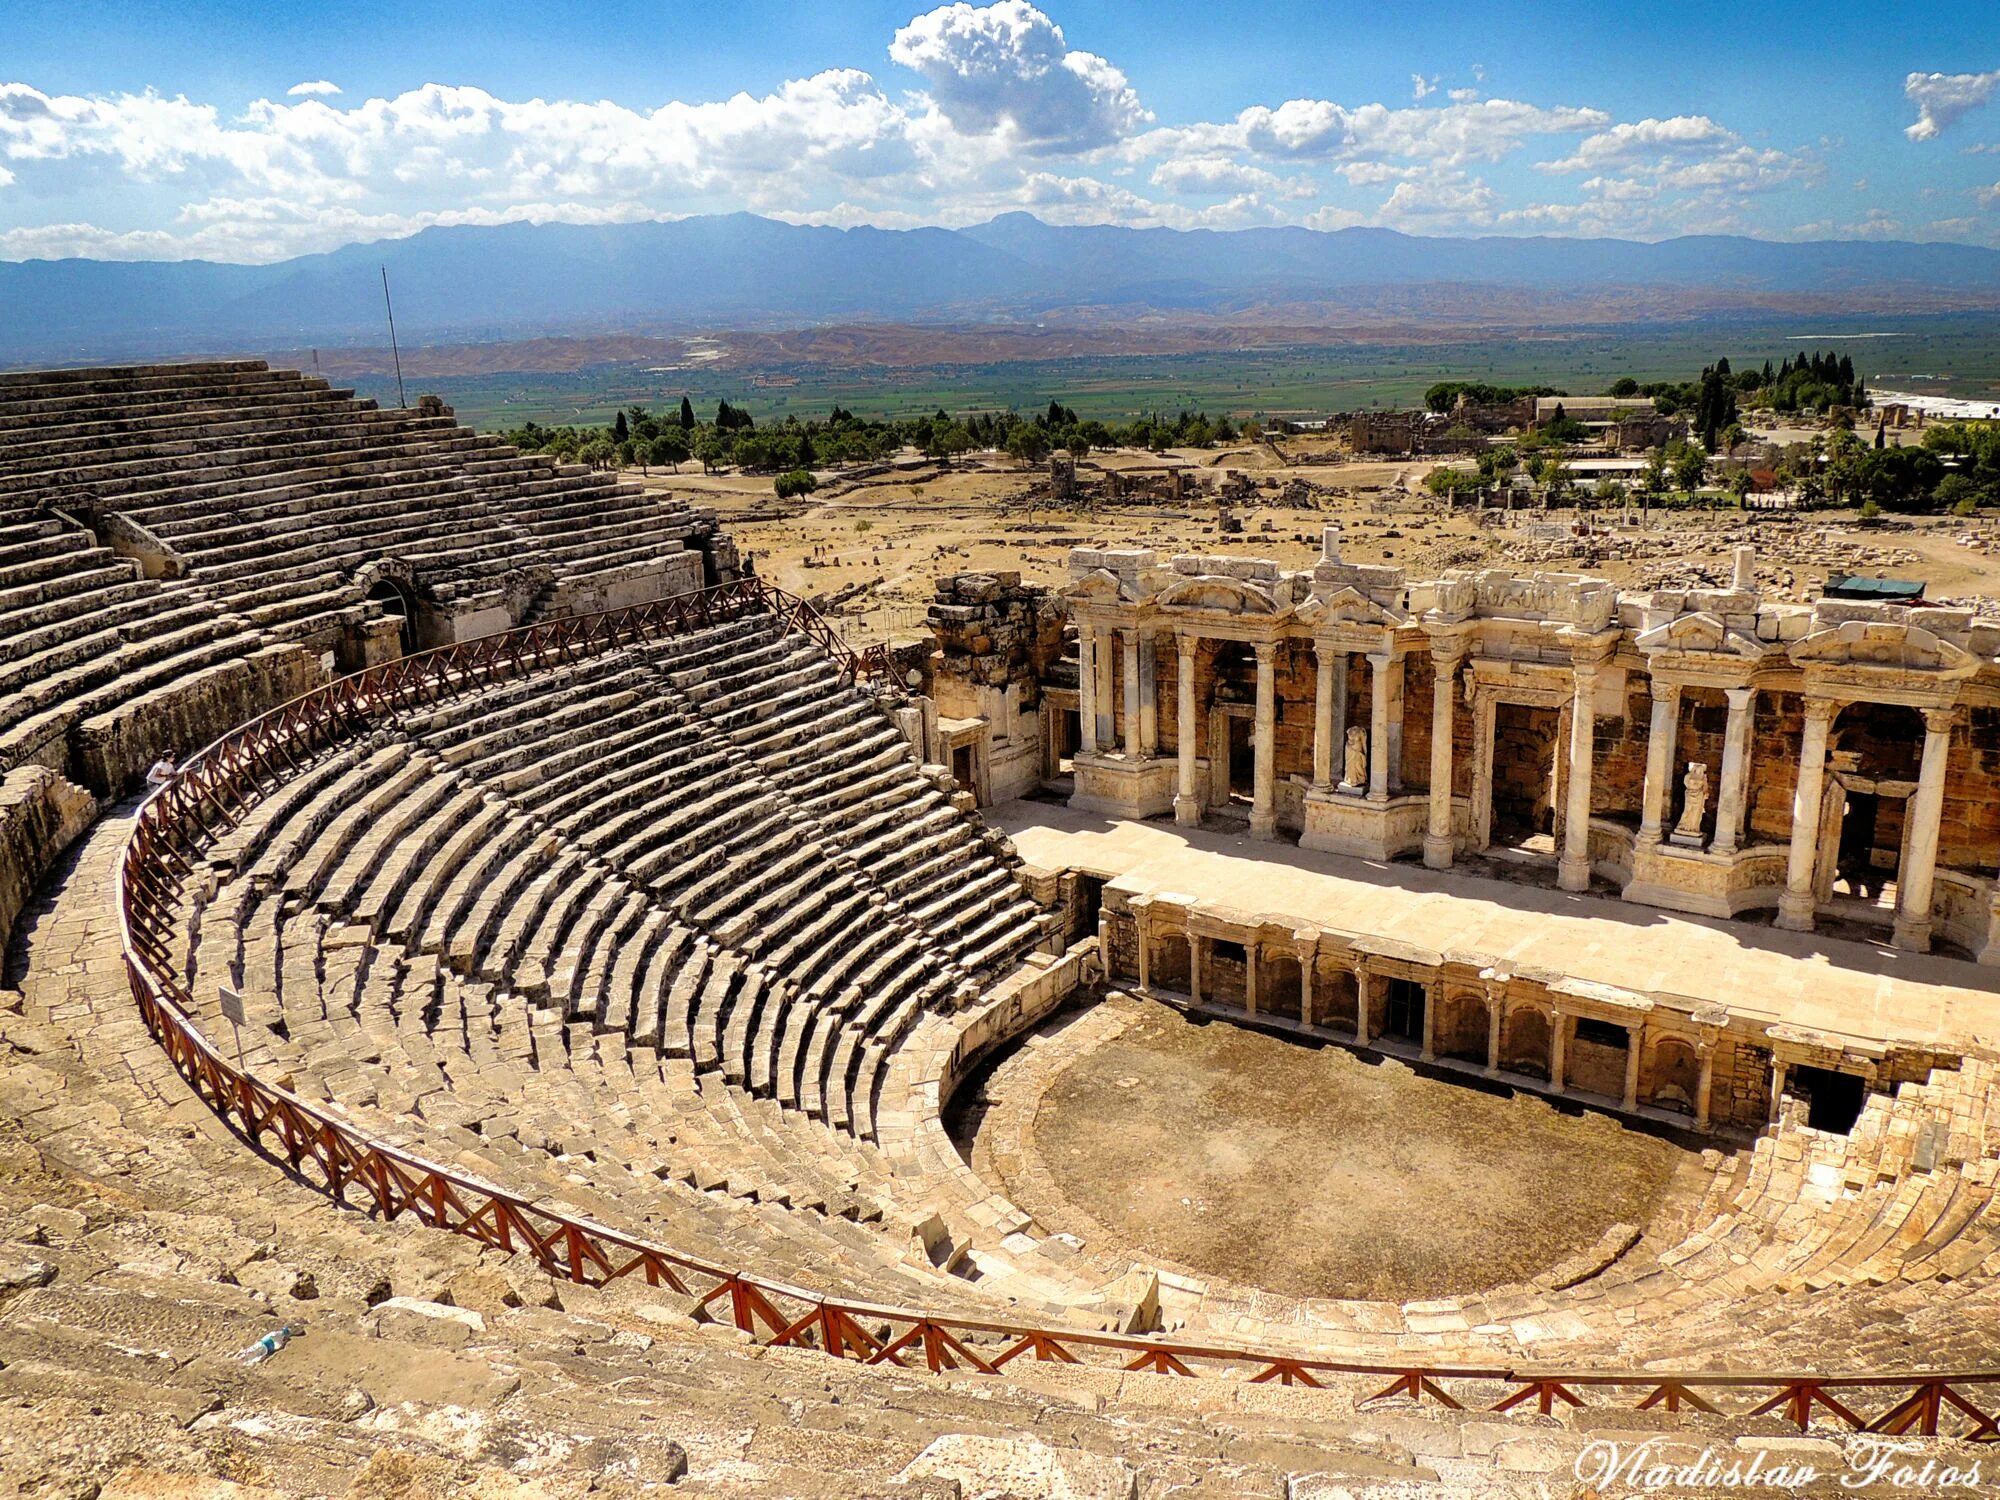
{"points": [[1699, 632], [1861, 646], [1231, 596], [1100, 585], [1348, 606]]}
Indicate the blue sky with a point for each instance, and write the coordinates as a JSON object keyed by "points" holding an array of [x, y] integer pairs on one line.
{"points": [[147, 130]]}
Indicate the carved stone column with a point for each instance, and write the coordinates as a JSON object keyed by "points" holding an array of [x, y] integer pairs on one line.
{"points": [[1429, 1053], [1086, 688], [1704, 1088], [1635, 1041], [1263, 798], [1308, 982], [1251, 974], [1326, 661], [1558, 1046], [1795, 907], [1149, 695], [1496, 1009], [1437, 835], [1915, 879], [1732, 800], [1378, 725], [1135, 737], [1362, 980], [1660, 736], [1573, 869], [1187, 800], [1195, 941], [1777, 1087]]}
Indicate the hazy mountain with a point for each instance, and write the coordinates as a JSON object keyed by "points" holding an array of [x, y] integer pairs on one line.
{"points": [[742, 271]]}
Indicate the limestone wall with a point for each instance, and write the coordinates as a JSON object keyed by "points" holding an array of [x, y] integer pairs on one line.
{"points": [[41, 814]]}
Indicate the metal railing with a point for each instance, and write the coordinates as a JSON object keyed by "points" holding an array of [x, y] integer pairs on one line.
{"points": [[216, 786]]}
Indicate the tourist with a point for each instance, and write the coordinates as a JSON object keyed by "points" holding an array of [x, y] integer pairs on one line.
{"points": [[162, 773]]}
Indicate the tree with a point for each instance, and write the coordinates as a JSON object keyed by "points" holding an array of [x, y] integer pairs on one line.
{"points": [[708, 449], [671, 447], [598, 453], [794, 482], [1731, 436], [1687, 463], [621, 431], [1624, 385], [687, 415], [1029, 443]]}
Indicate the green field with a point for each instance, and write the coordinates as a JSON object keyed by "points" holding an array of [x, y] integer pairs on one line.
{"points": [[1958, 356]]}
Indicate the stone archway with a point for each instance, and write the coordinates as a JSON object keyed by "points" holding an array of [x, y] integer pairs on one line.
{"points": [[1278, 983], [1525, 1042], [1673, 1075], [1460, 1027], [398, 602]]}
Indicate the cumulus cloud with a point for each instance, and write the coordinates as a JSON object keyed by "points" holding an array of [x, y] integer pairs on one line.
{"points": [[1420, 86], [1008, 67], [1642, 139], [319, 88], [1196, 175], [1942, 99]]}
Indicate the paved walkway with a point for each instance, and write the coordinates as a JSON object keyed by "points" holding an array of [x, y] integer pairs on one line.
{"points": [[1852, 989]]}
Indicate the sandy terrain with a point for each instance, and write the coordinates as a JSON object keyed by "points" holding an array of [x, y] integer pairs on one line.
{"points": [[874, 546]]}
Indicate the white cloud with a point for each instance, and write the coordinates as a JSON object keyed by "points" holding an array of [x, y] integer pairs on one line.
{"points": [[1440, 198], [1318, 129], [1221, 174], [1421, 86], [1942, 99], [319, 88], [1007, 66], [1642, 139]]}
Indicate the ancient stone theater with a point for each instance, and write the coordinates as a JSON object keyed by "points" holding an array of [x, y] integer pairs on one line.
{"points": [[503, 999]]}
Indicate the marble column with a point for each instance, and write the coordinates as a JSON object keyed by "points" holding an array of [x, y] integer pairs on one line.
{"points": [[1251, 975], [1194, 941], [1777, 1087], [1437, 835], [1495, 1011], [1573, 869], [1086, 688], [1558, 1047], [1914, 881], [1145, 952], [1704, 1088], [1378, 725], [1429, 1053], [1263, 790], [1308, 981], [1795, 907], [1660, 737], [1733, 800], [1326, 662], [1106, 656], [1634, 1042], [1135, 738], [1149, 695], [1362, 983], [1187, 800]]}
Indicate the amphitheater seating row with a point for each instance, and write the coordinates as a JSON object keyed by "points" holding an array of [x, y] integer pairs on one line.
{"points": [[272, 496]]}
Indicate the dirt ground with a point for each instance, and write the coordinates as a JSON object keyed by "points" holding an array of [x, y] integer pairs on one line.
{"points": [[1313, 1171], [871, 549]]}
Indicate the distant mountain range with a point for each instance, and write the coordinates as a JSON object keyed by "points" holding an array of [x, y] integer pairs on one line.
{"points": [[742, 271]]}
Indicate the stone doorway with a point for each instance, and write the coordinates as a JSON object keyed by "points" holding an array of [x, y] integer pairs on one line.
{"points": [[1833, 1100], [1872, 765], [1524, 777], [397, 604], [1403, 1003]]}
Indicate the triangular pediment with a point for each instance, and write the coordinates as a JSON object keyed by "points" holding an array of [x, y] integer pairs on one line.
{"points": [[1100, 585], [1347, 605], [1700, 632]]}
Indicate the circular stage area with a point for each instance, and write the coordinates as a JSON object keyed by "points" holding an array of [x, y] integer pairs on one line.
{"points": [[1307, 1170]]}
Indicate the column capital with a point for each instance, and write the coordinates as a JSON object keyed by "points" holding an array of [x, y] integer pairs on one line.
{"points": [[1187, 642], [1446, 654], [1821, 710], [1939, 720], [1266, 651], [1585, 673], [1740, 697], [1380, 659]]}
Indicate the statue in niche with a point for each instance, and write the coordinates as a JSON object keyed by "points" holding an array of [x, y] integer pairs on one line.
{"points": [[1354, 770], [1694, 803]]}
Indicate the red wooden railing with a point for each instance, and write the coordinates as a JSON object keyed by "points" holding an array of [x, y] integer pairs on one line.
{"points": [[215, 787]]}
